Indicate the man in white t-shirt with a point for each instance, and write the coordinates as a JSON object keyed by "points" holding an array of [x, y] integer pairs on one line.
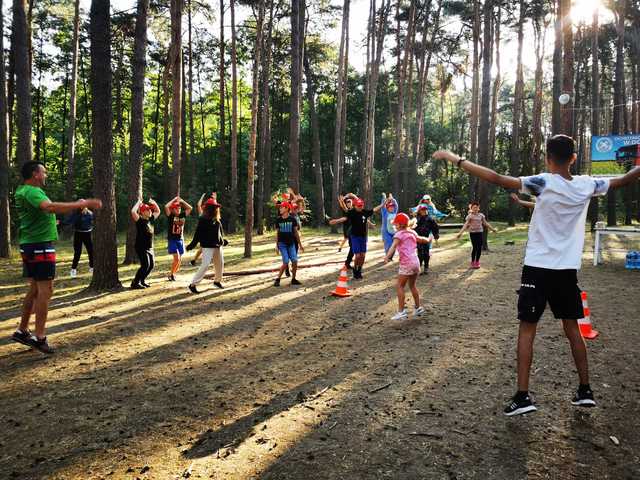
{"points": [[553, 255]]}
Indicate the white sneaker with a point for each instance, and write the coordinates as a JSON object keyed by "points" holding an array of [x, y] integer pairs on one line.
{"points": [[74, 273], [91, 270], [400, 315], [418, 311]]}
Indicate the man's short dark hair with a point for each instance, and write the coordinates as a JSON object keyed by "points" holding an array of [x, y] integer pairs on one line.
{"points": [[560, 148], [29, 168]]}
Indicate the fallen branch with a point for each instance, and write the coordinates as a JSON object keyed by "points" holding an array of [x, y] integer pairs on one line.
{"points": [[380, 388]]}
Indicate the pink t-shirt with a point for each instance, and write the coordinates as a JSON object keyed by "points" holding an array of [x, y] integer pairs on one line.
{"points": [[407, 247], [476, 222]]}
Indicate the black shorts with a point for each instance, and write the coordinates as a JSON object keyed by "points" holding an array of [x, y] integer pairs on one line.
{"points": [[559, 288], [38, 261]]}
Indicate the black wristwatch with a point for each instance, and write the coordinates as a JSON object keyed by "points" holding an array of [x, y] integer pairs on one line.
{"points": [[460, 162]]}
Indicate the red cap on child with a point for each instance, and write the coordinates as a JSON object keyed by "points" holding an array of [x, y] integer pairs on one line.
{"points": [[144, 207], [175, 205], [211, 201], [286, 205], [358, 202], [401, 219]]}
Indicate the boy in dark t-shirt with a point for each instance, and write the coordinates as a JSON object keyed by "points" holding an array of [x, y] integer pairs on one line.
{"points": [[287, 239], [357, 218], [175, 238]]}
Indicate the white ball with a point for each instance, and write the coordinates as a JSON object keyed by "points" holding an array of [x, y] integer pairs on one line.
{"points": [[564, 98]]}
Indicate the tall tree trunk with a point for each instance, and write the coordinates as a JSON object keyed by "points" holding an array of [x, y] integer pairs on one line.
{"points": [[297, 28], [166, 188], [264, 162], [408, 193], [475, 83], [136, 133], [222, 139], [557, 70], [379, 28], [71, 135], [22, 82], [594, 205], [539, 40], [63, 139], [566, 111], [315, 144], [175, 61], [514, 164], [234, 123], [5, 219], [497, 84], [248, 226], [106, 250], [340, 98], [192, 141], [156, 120], [485, 101]]}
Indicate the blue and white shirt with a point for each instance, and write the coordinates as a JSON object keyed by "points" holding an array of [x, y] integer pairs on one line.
{"points": [[556, 232]]}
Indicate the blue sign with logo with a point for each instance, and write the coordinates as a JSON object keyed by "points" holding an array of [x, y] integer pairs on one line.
{"points": [[611, 147]]}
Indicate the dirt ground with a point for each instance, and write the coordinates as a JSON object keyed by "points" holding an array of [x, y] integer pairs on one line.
{"points": [[258, 382]]}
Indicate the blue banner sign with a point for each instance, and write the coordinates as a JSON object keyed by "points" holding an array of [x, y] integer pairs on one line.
{"points": [[614, 147]]}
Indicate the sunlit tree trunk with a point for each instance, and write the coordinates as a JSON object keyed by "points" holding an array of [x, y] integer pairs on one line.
{"points": [[136, 133], [105, 274], [315, 144], [297, 27], [20, 49], [536, 127], [475, 82], [566, 111], [175, 62], [257, 52], [557, 70], [5, 219], [192, 141], [234, 123], [73, 87]]}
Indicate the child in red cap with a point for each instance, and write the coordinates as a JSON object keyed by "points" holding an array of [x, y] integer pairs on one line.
{"points": [[358, 219], [288, 237], [175, 233], [405, 241], [144, 215]]}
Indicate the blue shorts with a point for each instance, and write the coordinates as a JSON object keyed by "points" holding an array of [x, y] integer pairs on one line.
{"points": [[176, 246], [358, 244], [288, 252]]}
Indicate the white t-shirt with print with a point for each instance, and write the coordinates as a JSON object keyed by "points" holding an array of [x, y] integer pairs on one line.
{"points": [[556, 232]]}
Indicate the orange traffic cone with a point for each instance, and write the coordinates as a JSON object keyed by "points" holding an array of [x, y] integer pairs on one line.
{"points": [[342, 288], [585, 323]]}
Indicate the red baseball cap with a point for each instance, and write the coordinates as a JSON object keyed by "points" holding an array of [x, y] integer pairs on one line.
{"points": [[401, 219], [211, 201], [358, 202], [286, 205], [175, 205], [144, 207]]}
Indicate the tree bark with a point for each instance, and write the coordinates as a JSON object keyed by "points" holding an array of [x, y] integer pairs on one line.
{"points": [[340, 98], [166, 188], [136, 133], [557, 70], [106, 244], [297, 33], [248, 227], [379, 27], [485, 100], [22, 82], [566, 111], [192, 141], [539, 40], [175, 61], [475, 83], [73, 87], [497, 84], [222, 139], [5, 218], [234, 124], [514, 164], [315, 144], [264, 162]]}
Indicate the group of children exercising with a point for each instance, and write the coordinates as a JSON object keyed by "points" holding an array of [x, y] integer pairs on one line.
{"points": [[552, 259]]}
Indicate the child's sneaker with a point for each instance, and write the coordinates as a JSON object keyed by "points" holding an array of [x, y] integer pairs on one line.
{"points": [[472, 265], [478, 264], [295, 281], [583, 397], [74, 273], [218, 284], [193, 263], [400, 315], [276, 283], [520, 404], [418, 311], [193, 289]]}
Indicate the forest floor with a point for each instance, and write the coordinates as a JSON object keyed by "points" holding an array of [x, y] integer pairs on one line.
{"points": [[258, 382]]}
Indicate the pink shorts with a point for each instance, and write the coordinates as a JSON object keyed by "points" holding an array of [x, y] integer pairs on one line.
{"points": [[409, 269]]}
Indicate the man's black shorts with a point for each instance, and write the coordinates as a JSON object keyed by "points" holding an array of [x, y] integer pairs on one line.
{"points": [[38, 261], [559, 288]]}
